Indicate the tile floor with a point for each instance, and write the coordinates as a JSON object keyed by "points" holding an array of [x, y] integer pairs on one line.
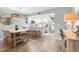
{"points": [[45, 44]]}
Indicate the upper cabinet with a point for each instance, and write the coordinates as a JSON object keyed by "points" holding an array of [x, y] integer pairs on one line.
{"points": [[6, 20], [15, 15]]}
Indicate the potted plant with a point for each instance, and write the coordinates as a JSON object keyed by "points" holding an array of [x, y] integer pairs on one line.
{"points": [[77, 32], [61, 33], [16, 27]]}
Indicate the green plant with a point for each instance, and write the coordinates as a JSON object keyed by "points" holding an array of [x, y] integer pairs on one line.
{"points": [[77, 28], [16, 27], [61, 33]]}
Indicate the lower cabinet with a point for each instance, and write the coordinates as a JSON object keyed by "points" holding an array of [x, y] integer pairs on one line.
{"points": [[72, 45]]}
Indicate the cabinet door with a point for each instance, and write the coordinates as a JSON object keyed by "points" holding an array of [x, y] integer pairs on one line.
{"points": [[5, 21], [70, 46], [76, 46]]}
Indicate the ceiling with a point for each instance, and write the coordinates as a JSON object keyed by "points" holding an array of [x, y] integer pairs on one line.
{"points": [[22, 10]]}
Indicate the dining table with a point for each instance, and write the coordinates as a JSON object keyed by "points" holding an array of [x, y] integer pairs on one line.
{"points": [[13, 31], [23, 29]]}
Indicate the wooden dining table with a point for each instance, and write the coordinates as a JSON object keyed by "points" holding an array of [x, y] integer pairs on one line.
{"points": [[13, 31]]}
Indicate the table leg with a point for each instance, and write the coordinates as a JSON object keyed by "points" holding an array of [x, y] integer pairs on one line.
{"points": [[14, 45]]}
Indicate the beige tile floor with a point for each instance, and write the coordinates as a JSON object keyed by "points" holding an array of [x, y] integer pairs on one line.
{"points": [[45, 44]]}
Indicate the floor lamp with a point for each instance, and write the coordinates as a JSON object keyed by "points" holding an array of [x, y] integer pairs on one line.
{"points": [[69, 17]]}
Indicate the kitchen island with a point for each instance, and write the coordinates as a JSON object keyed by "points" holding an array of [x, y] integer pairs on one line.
{"points": [[72, 41]]}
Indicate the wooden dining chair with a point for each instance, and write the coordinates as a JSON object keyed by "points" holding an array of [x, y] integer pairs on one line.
{"points": [[24, 37], [7, 40]]}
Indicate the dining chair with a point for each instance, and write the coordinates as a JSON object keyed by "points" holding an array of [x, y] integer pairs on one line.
{"points": [[23, 35], [7, 40], [19, 37]]}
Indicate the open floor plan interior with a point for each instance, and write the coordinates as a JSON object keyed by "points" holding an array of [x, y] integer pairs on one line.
{"points": [[39, 29]]}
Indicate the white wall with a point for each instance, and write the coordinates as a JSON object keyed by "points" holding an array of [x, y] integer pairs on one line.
{"points": [[43, 19], [59, 19]]}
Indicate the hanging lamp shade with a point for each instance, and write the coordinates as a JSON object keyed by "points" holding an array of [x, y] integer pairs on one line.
{"points": [[69, 16]]}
